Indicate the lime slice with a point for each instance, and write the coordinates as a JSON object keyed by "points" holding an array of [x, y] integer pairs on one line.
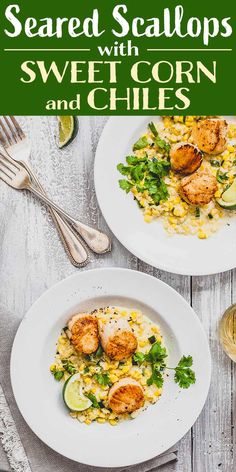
{"points": [[228, 198], [68, 128], [73, 396]]}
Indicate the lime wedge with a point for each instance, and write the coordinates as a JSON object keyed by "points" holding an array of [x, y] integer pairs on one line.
{"points": [[73, 396], [68, 128], [228, 198]]}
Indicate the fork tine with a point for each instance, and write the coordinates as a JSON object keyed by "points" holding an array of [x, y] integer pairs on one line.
{"points": [[12, 129], [3, 140], [8, 136], [4, 175], [5, 178], [10, 160], [7, 165], [17, 127]]}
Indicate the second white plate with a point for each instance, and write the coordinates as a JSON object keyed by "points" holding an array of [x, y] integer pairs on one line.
{"points": [[185, 255], [39, 397]]}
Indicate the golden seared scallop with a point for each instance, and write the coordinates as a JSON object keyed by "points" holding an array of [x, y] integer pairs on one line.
{"points": [[117, 338], [126, 396], [185, 158], [83, 332], [210, 135], [199, 188]]}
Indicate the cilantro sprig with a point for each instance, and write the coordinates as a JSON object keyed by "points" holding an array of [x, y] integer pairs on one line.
{"points": [[146, 175], [184, 375]]}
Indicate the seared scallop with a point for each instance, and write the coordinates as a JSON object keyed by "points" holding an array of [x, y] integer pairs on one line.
{"points": [[185, 158], [117, 338], [210, 135], [199, 188], [83, 331], [126, 396]]}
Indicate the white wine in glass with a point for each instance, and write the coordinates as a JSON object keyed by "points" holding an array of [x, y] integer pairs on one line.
{"points": [[227, 331]]}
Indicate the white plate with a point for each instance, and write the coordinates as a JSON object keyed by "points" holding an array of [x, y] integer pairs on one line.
{"points": [[186, 255], [39, 397]]}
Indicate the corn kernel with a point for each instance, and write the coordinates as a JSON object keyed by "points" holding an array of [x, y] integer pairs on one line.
{"points": [[218, 194], [202, 235], [101, 420], [214, 212], [87, 380], [226, 165], [155, 329], [113, 422], [148, 211], [113, 378], [167, 122], [142, 343], [133, 315], [230, 148], [172, 220], [87, 421], [147, 218]]}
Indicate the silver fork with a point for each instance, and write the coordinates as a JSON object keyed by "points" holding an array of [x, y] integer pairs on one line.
{"points": [[16, 174], [17, 146]]}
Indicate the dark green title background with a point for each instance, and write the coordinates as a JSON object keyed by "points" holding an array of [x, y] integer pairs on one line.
{"points": [[30, 99]]}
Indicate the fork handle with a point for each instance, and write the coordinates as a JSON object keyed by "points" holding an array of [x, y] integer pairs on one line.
{"points": [[96, 240], [72, 244]]}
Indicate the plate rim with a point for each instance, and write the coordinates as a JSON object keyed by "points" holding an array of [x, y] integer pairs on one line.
{"points": [[29, 315], [125, 244]]}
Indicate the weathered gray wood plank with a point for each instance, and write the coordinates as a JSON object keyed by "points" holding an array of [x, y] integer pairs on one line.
{"points": [[212, 435], [233, 415]]}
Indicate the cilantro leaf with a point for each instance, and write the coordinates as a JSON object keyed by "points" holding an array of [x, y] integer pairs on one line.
{"points": [[140, 144], [157, 353], [103, 379], [124, 170], [93, 399], [137, 172], [184, 376], [156, 378], [132, 160], [58, 374], [186, 361], [139, 357], [159, 168], [125, 185]]}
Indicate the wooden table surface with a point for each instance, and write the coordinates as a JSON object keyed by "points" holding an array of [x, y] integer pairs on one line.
{"points": [[32, 259]]}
